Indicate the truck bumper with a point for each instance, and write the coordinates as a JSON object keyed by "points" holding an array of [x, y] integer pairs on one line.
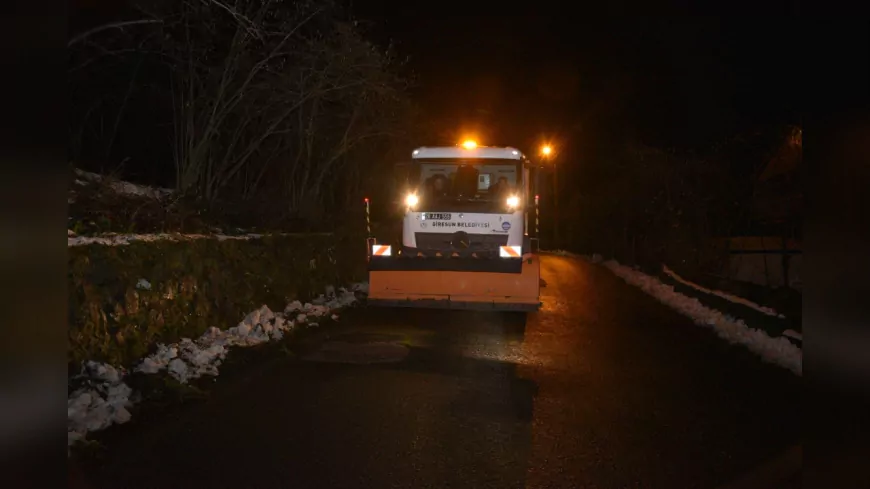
{"points": [[494, 285]]}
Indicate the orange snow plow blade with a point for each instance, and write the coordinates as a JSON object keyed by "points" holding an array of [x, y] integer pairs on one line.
{"points": [[447, 283]]}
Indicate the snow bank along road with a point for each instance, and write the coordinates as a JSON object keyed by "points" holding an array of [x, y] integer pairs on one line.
{"points": [[605, 387]]}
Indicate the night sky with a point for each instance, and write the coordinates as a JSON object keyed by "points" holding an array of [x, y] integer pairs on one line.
{"points": [[578, 77]]}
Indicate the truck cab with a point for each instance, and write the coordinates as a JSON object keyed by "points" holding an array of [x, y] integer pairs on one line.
{"points": [[467, 201]]}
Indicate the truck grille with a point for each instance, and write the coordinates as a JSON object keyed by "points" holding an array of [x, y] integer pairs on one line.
{"points": [[444, 242]]}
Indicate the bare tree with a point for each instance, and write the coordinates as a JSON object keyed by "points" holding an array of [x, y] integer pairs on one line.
{"points": [[98, 93], [271, 98], [266, 100]]}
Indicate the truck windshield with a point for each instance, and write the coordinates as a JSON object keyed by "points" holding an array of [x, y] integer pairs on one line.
{"points": [[489, 181]]}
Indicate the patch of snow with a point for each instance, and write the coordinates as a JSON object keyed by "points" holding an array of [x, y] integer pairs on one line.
{"points": [[105, 398], [111, 239], [143, 284], [779, 351], [344, 298], [793, 334], [200, 359], [178, 369], [159, 360], [261, 315], [101, 372], [101, 402], [316, 311], [224, 237], [729, 297], [125, 188], [361, 287], [242, 330], [149, 366], [293, 307]]}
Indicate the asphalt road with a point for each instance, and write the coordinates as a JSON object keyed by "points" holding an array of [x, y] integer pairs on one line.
{"points": [[603, 388]]}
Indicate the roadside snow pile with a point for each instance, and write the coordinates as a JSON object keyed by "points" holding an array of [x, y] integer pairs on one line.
{"points": [[779, 351], [732, 298], [185, 360], [104, 397], [101, 402], [190, 359], [362, 287]]}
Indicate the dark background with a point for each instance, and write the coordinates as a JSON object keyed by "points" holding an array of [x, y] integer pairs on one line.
{"points": [[663, 118], [520, 76], [683, 81]]}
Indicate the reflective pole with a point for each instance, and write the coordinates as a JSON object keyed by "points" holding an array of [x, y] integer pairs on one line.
{"points": [[538, 202], [369, 240], [526, 222], [368, 219]]}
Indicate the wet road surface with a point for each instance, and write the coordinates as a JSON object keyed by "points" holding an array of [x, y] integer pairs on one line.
{"points": [[603, 388]]}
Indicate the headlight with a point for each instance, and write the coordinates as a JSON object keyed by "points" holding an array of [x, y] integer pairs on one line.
{"points": [[411, 200], [513, 201]]}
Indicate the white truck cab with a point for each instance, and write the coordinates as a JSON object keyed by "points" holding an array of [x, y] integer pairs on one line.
{"points": [[467, 201]]}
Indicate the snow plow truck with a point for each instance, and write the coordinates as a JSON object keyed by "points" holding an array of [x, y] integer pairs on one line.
{"points": [[465, 240]]}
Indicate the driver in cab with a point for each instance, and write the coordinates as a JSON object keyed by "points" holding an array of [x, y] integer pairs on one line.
{"points": [[436, 186], [501, 188]]}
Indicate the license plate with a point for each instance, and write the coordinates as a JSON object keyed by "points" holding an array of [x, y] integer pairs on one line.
{"points": [[438, 216]]}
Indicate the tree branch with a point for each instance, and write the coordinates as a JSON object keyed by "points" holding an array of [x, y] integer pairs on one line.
{"points": [[113, 25]]}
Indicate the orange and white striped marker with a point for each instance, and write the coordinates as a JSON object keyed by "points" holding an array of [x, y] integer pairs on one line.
{"points": [[510, 251], [382, 250]]}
